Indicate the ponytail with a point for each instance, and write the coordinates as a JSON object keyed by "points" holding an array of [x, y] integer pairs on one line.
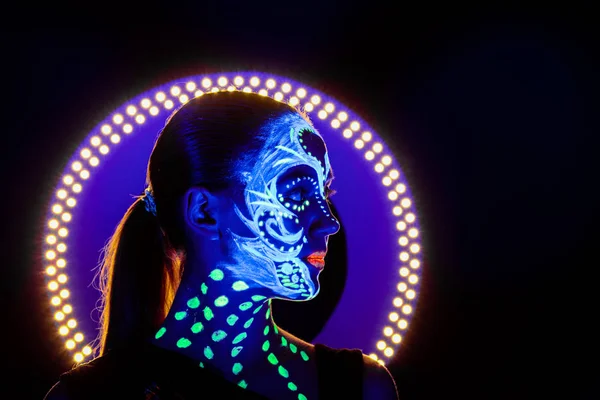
{"points": [[138, 278]]}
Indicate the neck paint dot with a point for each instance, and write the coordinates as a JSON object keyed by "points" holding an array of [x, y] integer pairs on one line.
{"points": [[197, 327], [283, 372], [236, 350], [221, 301], [272, 359], [239, 338], [266, 330], [219, 335], [304, 355], [208, 314], [193, 302], [203, 288], [246, 305], [266, 345], [232, 319], [257, 309], [248, 323], [243, 384], [180, 315], [237, 368], [216, 275], [292, 386], [208, 353], [160, 333], [183, 343], [239, 286]]}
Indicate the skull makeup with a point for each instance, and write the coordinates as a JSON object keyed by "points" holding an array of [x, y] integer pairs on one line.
{"points": [[287, 211]]}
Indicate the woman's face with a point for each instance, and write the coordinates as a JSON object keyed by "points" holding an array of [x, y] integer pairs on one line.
{"points": [[285, 213]]}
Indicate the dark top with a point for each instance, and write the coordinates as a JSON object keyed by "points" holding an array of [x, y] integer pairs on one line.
{"points": [[152, 373]]}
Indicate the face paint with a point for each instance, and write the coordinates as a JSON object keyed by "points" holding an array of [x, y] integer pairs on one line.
{"points": [[278, 206]]}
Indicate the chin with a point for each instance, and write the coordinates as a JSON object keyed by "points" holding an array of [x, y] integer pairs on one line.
{"points": [[314, 288]]}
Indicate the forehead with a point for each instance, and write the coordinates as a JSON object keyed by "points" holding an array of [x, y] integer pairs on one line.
{"points": [[291, 141]]}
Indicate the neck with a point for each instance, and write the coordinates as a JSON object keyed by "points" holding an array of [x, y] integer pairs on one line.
{"points": [[223, 324]]}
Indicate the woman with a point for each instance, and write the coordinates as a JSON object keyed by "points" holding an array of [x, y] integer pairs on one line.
{"points": [[235, 214]]}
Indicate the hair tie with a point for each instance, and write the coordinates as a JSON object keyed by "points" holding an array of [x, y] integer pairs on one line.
{"points": [[149, 203]]}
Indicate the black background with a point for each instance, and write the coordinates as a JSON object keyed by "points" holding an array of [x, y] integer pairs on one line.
{"points": [[491, 110]]}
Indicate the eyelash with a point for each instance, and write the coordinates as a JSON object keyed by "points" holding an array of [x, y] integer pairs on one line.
{"points": [[329, 192]]}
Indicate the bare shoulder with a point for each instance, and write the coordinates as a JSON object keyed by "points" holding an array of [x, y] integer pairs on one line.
{"points": [[378, 382], [57, 392]]}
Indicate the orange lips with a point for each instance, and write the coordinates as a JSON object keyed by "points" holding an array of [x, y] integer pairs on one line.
{"points": [[317, 259]]}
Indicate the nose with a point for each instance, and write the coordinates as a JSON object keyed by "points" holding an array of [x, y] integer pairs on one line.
{"points": [[324, 223]]}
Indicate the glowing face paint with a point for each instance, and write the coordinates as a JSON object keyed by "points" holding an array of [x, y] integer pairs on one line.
{"points": [[275, 214]]}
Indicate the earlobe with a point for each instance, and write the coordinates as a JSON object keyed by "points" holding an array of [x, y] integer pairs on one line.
{"points": [[199, 215]]}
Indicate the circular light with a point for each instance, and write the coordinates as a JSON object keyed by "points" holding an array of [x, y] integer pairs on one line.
{"points": [[325, 111]]}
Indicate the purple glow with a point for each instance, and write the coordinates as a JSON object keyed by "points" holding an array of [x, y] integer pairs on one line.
{"points": [[362, 204]]}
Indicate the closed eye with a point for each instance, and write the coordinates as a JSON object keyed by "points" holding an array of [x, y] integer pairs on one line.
{"points": [[296, 195]]}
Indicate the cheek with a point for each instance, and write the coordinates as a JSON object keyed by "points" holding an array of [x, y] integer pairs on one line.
{"points": [[233, 222]]}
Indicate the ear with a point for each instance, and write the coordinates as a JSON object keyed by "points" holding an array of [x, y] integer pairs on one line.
{"points": [[199, 207]]}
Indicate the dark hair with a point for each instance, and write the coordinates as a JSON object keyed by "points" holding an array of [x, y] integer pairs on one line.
{"points": [[201, 144]]}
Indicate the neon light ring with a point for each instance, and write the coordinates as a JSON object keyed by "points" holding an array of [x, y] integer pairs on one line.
{"points": [[373, 204]]}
